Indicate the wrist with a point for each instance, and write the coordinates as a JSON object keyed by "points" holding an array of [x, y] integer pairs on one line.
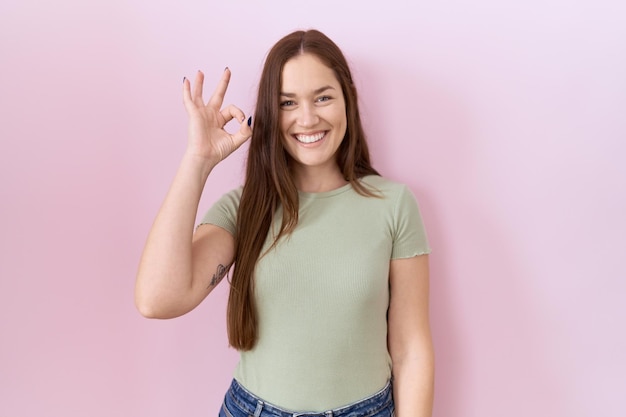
{"points": [[199, 164]]}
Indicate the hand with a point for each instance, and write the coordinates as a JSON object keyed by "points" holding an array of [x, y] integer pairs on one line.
{"points": [[207, 137]]}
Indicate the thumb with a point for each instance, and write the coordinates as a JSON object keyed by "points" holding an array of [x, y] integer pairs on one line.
{"points": [[244, 133]]}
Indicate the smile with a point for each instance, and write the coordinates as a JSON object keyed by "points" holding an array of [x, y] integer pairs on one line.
{"points": [[310, 138]]}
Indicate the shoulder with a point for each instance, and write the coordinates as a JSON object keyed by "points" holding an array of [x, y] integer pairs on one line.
{"points": [[397, 197], [402, 215], [223, 212], [385, 187], [233, 197]]}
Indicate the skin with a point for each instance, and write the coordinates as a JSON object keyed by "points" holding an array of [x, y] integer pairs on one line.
{"points": [[409, 338], [179, 268], [312, 104]]}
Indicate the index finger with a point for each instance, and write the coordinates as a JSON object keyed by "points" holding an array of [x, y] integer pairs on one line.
{"points": [[217, 98]]}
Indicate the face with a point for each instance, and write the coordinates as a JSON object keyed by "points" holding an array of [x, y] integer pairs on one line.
{"points": [[312, 113]]}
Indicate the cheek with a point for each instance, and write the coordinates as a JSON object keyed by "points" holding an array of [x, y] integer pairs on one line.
{"points": [[283, 124], [341, 120], [341, 115]]}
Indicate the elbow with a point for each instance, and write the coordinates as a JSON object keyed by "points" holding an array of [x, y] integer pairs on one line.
{"points": [[148, 301], [155, 308], [146, 308], [150, 307], [158, 302], [151, 311]]}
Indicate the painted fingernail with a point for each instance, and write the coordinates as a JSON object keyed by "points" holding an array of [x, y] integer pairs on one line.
{"points": [[225, 68], [250, 121], [184, 78]]}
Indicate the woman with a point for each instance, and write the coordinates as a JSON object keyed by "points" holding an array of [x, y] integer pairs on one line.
{"points": [[328, 302]]}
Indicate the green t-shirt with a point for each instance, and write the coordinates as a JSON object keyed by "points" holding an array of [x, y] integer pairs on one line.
{"points": [[323, 293]]}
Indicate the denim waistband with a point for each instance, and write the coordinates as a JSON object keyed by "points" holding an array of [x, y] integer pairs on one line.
{"points": [[252, 405]]}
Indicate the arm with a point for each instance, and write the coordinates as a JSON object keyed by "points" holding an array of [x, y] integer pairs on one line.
{"points": [[409, 338], [177, 268]]}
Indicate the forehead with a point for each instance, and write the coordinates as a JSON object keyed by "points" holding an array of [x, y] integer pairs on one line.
{"points": [[305, 73]]}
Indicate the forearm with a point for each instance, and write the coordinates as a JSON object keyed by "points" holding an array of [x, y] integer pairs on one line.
{"points": [[413, 384], [165, 270]]}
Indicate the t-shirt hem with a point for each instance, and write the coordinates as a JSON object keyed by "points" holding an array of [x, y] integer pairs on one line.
{"points": [[214, 223], [411, 255]]}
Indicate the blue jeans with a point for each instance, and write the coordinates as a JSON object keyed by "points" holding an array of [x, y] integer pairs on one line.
{"points": [[238, 402]]}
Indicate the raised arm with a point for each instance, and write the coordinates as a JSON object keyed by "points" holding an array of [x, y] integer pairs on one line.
{"points": [[179, 268]]}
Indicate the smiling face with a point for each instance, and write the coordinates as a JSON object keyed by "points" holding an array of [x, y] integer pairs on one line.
{"points": [[312, 114]]}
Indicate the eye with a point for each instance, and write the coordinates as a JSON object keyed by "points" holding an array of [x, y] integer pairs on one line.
{"points": [[324, 98], [287, 103]]}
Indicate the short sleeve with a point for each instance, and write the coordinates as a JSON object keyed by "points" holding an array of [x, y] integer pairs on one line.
{"points": [[224, 212], [409, 237]]}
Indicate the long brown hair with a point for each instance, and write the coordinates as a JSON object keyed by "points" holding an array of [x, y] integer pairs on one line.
{"points": [[269, 184]]}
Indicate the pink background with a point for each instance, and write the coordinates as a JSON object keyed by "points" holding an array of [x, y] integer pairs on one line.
{"points": [[507, 121]]}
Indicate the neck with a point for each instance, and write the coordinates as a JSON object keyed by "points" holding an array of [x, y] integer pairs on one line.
{"points": [[318, 179]]}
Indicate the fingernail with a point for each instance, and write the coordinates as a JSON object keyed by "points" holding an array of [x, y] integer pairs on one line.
{"points": [[184, 78], [250, 121], [225, 68]]}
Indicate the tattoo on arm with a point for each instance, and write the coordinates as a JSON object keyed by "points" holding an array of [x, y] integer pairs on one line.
{"points": [[218, 276]]}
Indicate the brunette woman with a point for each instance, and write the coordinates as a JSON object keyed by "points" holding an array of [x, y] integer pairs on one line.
{"points": [[328, 302]]}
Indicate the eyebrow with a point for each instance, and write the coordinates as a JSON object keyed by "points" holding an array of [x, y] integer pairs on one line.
{"points": [[319, 90]]}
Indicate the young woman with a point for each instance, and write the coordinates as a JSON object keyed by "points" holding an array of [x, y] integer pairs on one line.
{"points": [[328, 301]]}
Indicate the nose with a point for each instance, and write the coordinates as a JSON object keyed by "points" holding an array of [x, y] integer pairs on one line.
{"points": [[307, 115]]}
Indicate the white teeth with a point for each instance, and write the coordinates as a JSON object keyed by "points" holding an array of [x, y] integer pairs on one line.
{"points": [[310, 138]]}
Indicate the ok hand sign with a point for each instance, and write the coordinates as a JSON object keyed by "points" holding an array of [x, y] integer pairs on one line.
{"points": [[207, 137]]}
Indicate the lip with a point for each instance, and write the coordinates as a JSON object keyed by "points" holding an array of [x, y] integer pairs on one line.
{"points": [[323, 133]]}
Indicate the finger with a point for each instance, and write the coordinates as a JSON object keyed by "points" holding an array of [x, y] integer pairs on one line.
{"points": [[244, 133], [217, 98], [197, 88], [187, 100], [187, 97], [232, 112]]}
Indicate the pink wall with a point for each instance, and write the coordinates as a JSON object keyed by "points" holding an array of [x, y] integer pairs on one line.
{"points": [[507, 121]]}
